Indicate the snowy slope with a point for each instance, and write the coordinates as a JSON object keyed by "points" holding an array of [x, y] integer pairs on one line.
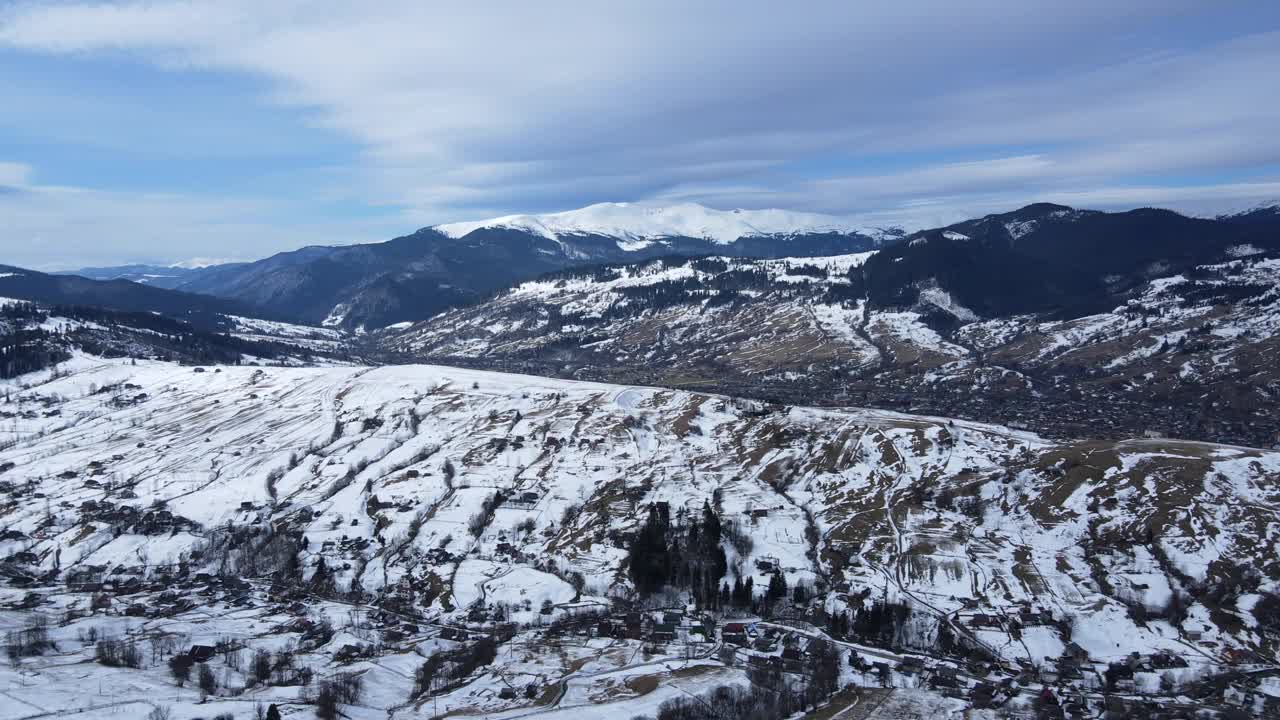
{"points": [[638, 222], [115, 471], [797, 325]]}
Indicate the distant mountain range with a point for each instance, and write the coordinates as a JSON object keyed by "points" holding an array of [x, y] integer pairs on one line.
{"points": [[1042, 258], [162, 276], [1127, 320], [415, 276], [1267, 213], [637, 225], [202, 311], [1048, 258], [1070, 321]]}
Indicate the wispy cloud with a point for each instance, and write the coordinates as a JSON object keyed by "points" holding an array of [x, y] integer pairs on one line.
{"points": [[59, 228], [458, 110]]}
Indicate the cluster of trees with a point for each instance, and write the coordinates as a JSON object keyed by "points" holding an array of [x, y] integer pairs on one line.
{"points": [[332, 692], [1267, 613], [253, 551], [769, 696], [687, 555], [278, 668], [479, 521], [24, 346], [31, 639], [742, 595], [885, 623], [181, 665], [113, 652], [444, 668]]}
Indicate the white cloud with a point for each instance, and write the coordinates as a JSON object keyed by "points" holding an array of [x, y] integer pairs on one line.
{"points": [[464, 110], [58, 228], [14, 175]]}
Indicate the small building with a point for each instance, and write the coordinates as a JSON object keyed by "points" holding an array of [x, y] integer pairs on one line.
{"points": [[663, 633], [454, 634], [1166, 660], [982, 695], [735, 633], [945, 676], [634, 624], [911, 665]]}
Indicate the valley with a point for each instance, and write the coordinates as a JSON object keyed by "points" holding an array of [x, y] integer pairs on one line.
{"points": [[1165, 360], [665, 476], [639, 361]]}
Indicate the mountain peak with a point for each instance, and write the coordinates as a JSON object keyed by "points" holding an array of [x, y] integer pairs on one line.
{"points": [[639, 221], [1041, 209], [1267, 212]]}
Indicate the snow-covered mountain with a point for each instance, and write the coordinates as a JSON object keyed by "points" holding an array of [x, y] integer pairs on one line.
{"points": [[164, 276], [35, 337], [1263, 213], [440, 540], [409, 278], [634, 222], [1162, 353]]}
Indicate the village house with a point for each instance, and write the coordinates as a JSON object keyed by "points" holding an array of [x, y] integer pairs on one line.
{"points": [[734, 633]]}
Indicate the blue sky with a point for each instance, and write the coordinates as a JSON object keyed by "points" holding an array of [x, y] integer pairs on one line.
{"points": [[166, 131]]}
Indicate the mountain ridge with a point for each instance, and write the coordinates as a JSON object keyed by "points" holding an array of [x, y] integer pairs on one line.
{"points": [[646, 221], [414, 276]]}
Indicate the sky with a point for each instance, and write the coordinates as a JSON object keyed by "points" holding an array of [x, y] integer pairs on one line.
{"points": [[180, 130]]}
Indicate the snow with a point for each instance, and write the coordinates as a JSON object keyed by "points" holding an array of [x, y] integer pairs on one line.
{"points": [[634, 223], [1021, 228], [837, 265], [907, 327], [337, 315], [942, 300], [332, 440], [200, 263], [633, 245], [1245, 250], [1238, 208]]}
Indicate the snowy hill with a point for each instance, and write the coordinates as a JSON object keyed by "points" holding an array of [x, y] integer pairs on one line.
{"points": [[641, 221], [36, 337], [356, 521], [1164, 355]]}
